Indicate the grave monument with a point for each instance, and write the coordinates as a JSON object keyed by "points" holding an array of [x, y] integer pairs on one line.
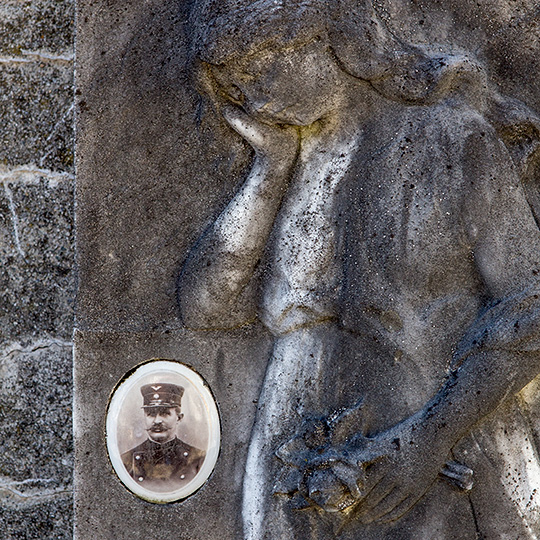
{"points": [[328, 214]]}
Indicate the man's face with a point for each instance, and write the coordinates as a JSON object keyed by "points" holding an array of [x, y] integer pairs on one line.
{"points": [[161, 423]]}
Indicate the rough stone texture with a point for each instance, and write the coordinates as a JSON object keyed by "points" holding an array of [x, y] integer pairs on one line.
{"points": [[36, 276], [29, 26], [45, 517], [37, 240], [506, 34], [35, 109], [35, 424], [140, 75], [36, 442]]}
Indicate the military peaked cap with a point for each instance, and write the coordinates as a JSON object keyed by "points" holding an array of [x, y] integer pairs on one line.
{"points": [[161, 395]]}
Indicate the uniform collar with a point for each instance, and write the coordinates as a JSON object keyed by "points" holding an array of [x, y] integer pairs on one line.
{"points": [[156, 446]]}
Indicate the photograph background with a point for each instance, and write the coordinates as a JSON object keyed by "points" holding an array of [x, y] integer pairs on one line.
{"points": [[192, 429]]}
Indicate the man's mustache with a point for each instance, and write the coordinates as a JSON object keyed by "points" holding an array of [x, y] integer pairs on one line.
{"points": [[156, 429]]}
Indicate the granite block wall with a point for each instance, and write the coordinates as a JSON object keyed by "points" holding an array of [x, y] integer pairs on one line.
{"points": [[36, 274]]}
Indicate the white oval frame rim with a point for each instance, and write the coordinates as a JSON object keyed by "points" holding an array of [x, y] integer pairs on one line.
{"points": [[214, 430]]}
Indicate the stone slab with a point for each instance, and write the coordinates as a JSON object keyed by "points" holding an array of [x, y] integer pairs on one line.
{"points": [[35, 416], [36, 448], [36, 242], [36, 113], [233, 368], [36, 275], [138, 77]]}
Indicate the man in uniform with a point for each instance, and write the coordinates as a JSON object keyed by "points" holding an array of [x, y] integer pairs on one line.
{"points": [[163, 461]]}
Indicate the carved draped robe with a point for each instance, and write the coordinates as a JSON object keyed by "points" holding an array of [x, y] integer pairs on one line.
{"points": [[372, 290]]}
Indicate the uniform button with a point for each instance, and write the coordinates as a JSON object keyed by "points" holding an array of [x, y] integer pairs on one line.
{"points": [[141, 478], [137, 457], [186, 453], [182, 476]]}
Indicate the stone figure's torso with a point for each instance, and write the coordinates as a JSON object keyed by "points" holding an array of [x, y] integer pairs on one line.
{"points": [[376, 305], [378, 244]]}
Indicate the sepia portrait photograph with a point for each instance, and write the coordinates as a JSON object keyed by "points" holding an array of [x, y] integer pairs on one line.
{"points": [[163, 431]]}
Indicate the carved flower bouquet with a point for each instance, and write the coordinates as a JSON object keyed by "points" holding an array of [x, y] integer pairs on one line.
{"points": [[328, 460]]}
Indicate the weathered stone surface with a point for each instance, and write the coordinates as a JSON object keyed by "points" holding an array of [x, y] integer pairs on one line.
{"points": [[35, 111], [504, 33], [36, 274], [140, 74], [36, 242], [36, 25], [42, 518], [35, 417], [36, 441]]}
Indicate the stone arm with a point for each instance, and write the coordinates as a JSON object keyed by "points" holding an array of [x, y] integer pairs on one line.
{"points": [[214, 284], [388, 473], [501, 352]]}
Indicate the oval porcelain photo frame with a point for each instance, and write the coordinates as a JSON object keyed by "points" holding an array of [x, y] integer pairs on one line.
{"points": [[163, 431]]}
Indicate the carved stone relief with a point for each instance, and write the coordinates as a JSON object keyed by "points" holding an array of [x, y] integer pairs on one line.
{"points": [[387, 236]]}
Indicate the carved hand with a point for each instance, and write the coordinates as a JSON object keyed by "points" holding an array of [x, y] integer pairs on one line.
{"points": [[367, 478], [401, 465], [379, 478], [214, 289], [278, 143]]}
